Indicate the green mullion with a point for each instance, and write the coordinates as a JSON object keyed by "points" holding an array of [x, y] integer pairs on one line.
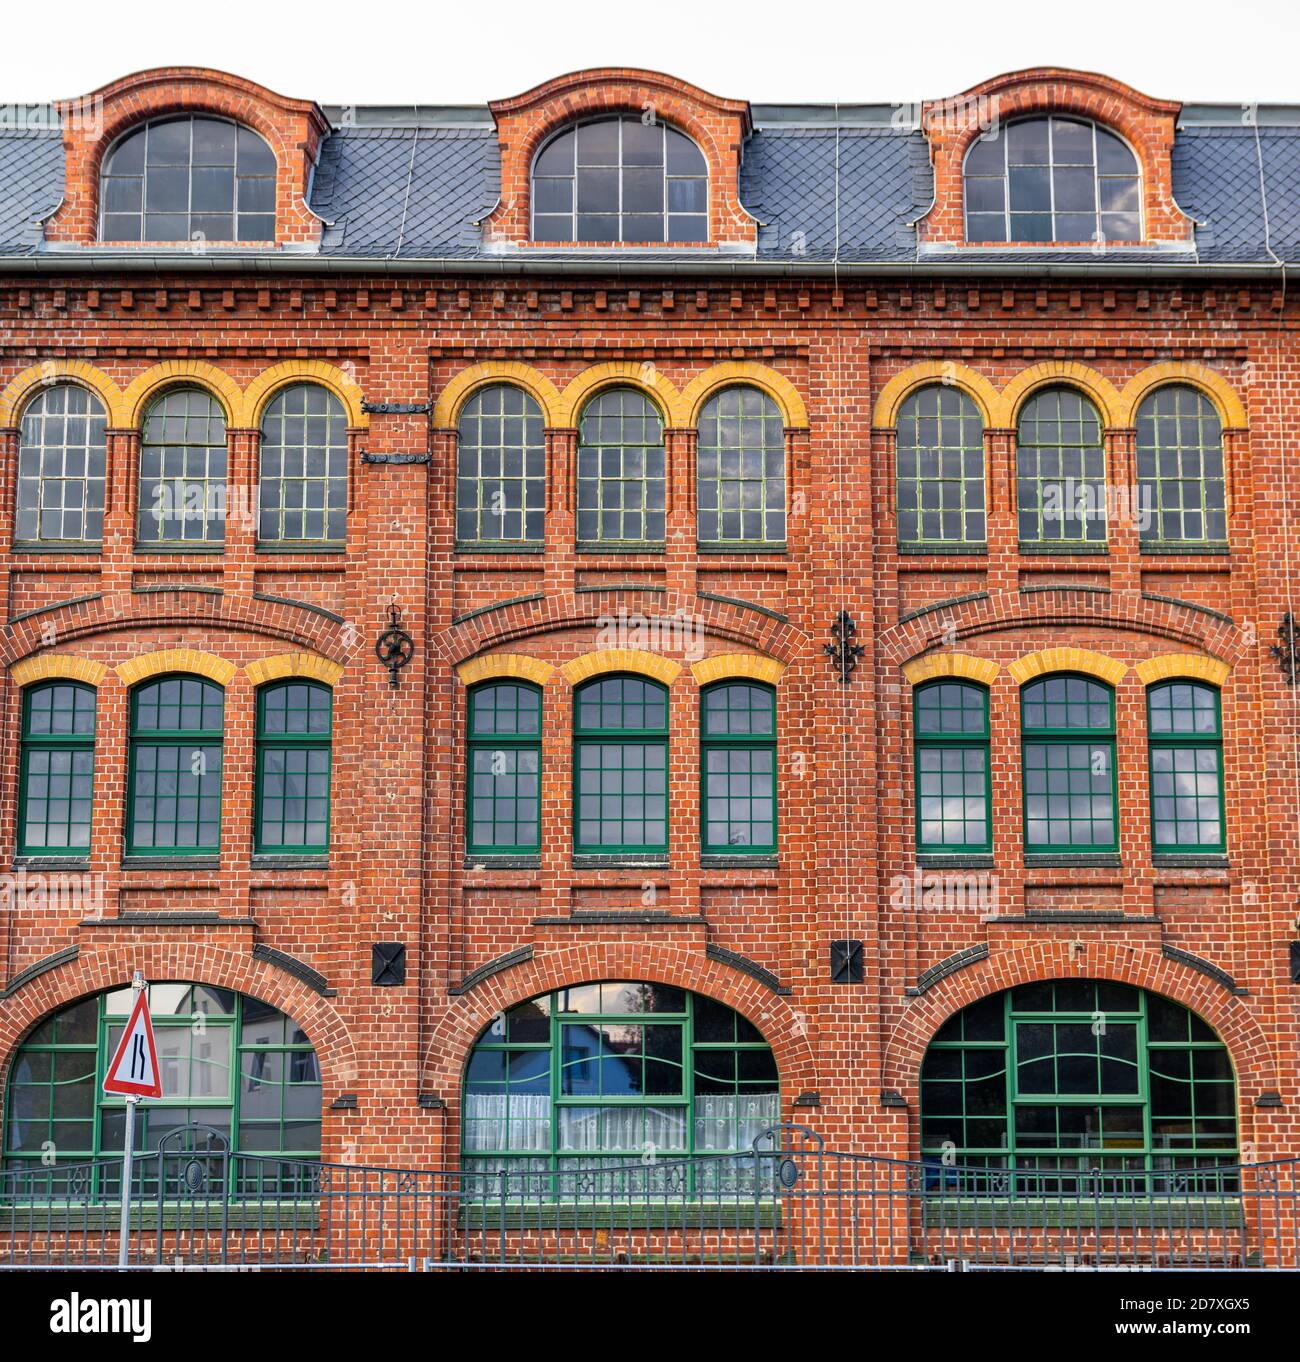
{"points": [[1194, 741], [495, 743], [279, 744], [965, 742]]}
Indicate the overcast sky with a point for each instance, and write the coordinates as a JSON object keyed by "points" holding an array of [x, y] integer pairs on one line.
{"points": [[469, 51]]}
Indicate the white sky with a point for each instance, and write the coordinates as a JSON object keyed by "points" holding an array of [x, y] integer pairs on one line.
{"points": [[767, 51]]}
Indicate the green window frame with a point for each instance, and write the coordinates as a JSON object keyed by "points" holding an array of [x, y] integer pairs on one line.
{"points": [[740, 479], [1071, 790], [1060, 471], [174, 777], [1185, 747], [227, 1061], [608, 1078], [503, 809], [303, 469], [939, 463], [622, 483], [1038, 1090], [183, 464], [291, 806], [1181, 482], [620, 766], [62, 455], [56, 769], [953, 768], [501, 470], [738, 800]]}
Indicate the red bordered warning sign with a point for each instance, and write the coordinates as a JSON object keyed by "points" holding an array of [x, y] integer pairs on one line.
{"points": [[134, 1070]]}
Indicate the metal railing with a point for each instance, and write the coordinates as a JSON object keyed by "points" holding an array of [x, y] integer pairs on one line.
{"points": [[789, 1203]]}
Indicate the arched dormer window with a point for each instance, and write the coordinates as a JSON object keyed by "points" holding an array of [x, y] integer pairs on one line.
{"points": [[189, 177], [1052, 179], [619, 179]]}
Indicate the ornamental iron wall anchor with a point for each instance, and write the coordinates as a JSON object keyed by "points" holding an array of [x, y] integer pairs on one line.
{"points": [[395, 647], [1288, 657], [844, 653]]}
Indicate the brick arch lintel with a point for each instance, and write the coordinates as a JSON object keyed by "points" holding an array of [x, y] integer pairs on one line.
{"points": [[1120, 962], [97, 969], [782, 1025]]}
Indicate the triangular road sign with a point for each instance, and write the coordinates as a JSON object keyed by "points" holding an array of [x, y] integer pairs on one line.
{"points": [[134, 1070]]}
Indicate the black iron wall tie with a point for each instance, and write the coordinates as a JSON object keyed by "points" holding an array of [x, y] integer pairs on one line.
{"points": [[843, 652], [1285, 651], [395, 646]]}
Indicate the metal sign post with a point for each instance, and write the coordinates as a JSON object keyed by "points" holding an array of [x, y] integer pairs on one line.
{"points": [[124, 1232]]}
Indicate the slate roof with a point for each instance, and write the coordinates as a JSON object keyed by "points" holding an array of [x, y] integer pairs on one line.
{"points": [[392, 192]]}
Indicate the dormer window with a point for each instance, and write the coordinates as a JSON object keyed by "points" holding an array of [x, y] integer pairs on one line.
{"points": [[185, 178], [1052, 179], [619, 179]]}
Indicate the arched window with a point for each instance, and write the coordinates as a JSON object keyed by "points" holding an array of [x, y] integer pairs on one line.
{"points": [[620, 1077], [188, 177], [953, 781], [1185, 737], [61, 456], [740, 471], [174, 784], [503, 807], [621, 485], [1060, 471], [940, 459], [56, 785], [620, 179], [303, 483], [226, 1061], [293, 768], [738, 769], [1067, 726], [501, 469], [1078, 1076], [1052, 179], [620, 761], [183, 470], [1180, 469]]}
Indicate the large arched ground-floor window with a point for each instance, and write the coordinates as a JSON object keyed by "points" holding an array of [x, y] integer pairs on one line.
{"points": [[616, 1088], [1066, 1086], [228, 1062]]}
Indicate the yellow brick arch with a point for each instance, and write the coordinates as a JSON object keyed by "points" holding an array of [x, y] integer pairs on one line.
{"points": [[1183, 667], [1055, 373], [622, 374], [21, 389], [57, 667], [310, 666], [191, 661], [1107, 669], [946, 372], [291, 371], [505, 665], [604, 660], [728, 666], [1232, 411], [176, 373], [446, 410], [745, 374], [964, 665]]}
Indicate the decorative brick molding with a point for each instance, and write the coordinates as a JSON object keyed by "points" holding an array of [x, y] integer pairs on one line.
{"points": [[496, 665], [1146, 124], [1232, 413], [717, 126], [926, 668], [1183, 665], [744, 373], [727, 665], [622, 374], [57, 666], [446, 410], [947, 372], [173, 373], [189, 660], [46, 374], [1105, 668], [290, 371], [309, 665], [1059, 372], [292, 128], [621, 660]]}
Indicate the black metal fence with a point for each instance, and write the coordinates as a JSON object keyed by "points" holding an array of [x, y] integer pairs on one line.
{"points": [[789, 1204]]}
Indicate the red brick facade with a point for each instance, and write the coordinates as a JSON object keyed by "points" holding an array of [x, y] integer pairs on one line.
{"points": [[837, 356]]}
